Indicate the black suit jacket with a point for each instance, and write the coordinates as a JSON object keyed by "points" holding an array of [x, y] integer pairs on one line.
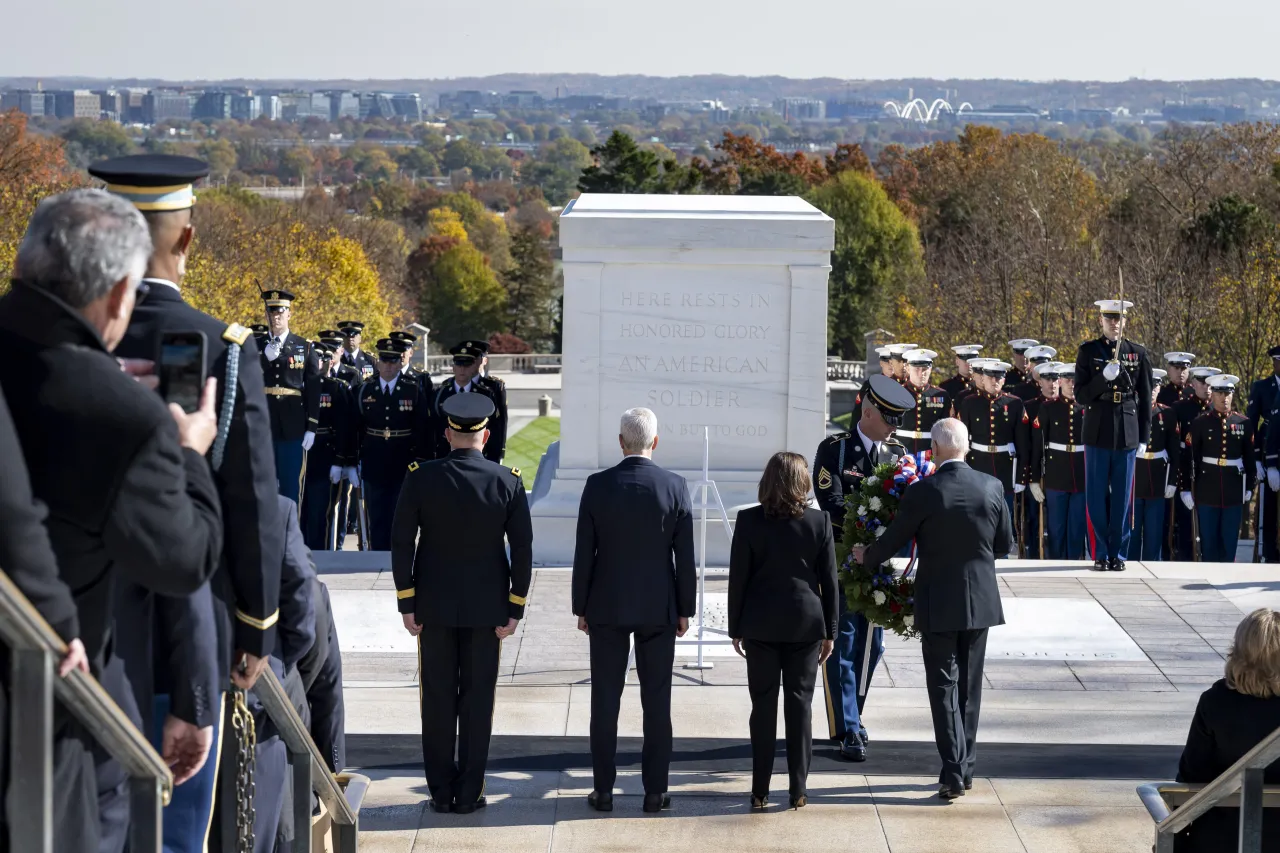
{"points": [[960, 522], [1117, 413], [633, 564], [782, 578]]}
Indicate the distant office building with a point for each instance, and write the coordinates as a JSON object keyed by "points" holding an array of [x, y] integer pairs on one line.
{"points": [[245, 107], [132, 103], [110, 104], [73, 103], [343, 105], [1189, 113], [855, 110], [376, 105], [467, 100], [212, 106], [25, 101], [165, 105], [1093, 117], [523, 100], [300, 106], [407, 106], [800, 109], [591, 103], [1000, 113]]}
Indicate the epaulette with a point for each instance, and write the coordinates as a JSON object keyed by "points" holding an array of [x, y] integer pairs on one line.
{"points": [[892, 442], [838, 436], [237, 334], [515, 471], [413, 466]]}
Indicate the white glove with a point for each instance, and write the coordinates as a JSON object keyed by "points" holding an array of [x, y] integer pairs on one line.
{"points": [[272, 350], [1037, 493], [1142, 449], [1248, 496], [1273, 479], [1111, 371], [1018, 488], [308, 439], [1170, 491], [1258, 467], [335, 474], [352, 475], [1188, 501]]}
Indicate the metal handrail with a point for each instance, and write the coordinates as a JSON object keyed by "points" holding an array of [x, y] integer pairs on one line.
{"points": [[1244, 776], [35, 649]]}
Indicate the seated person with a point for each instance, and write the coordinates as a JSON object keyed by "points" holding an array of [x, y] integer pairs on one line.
{"points": [[1233, 716]]}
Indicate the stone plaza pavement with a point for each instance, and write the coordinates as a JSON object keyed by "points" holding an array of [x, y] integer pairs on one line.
{"points": [[1090, 689]]}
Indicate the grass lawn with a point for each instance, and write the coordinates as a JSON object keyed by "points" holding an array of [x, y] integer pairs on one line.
{"points": [[525, 448], [843, 421]]}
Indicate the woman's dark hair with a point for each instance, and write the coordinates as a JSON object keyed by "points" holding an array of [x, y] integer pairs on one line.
{"points": [[784, 487]]}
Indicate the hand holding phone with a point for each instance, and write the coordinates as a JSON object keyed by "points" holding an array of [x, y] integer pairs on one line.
{"points": [[197, 430], [182, 367]]}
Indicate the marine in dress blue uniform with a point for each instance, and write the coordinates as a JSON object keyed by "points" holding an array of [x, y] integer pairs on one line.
{"points": [[996, 439], [1264, 395], [1115, 389], [1033, 357], [1221, 450], [842, 462], [1184, 413], [961, 384], [332, 454], [393, 431], [1027, 391], [240, 611], [932, 403], [1019, 371], [1155, 482], [1057, 459], [468, 364], [1176, 386], [291, 374]]}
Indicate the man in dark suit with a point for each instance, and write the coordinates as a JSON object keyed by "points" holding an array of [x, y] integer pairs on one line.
{"points": [[460, 594], [633, 573], [960, 521]]}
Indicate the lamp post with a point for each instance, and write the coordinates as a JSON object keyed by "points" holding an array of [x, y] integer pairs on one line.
{"points": [[422, 332]]}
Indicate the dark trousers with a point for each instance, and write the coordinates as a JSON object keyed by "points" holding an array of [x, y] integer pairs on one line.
{"points": [[1219, 532], [291, 465], [1267, 503], [328, 713], [1184, 547], [1029, 535], [112, 781], [1065, 524], [953, 676], [796, 666], [655, 657], [380, 503], [1108, 486], [459, 680], [842, 672], [319, 497], [1148, 528]]}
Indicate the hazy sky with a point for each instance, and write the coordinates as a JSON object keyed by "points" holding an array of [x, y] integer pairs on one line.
{"points": [[1033, 39]]}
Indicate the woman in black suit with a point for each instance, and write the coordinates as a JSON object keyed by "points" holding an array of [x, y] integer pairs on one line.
{"points": [[1232, 717], [782, 616]]}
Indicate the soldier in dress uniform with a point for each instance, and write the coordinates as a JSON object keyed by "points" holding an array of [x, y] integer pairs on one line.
{"points": [[350, 376], [932, 403], [1018, 372], [897, 361], [1185, 413], [460, 595], [1176, 388], [394, 430], [960, 381], [334, 451], [1263, 396], [1057, 463], [1033, 357], [1220, 450], [338, 368], [842, 462], [1113, 383], [291, 374], [1046, 377], [992, 418], [260, 332], [362, 362], [409, 340], [1155, 481], [468, 359], [243, 598]]}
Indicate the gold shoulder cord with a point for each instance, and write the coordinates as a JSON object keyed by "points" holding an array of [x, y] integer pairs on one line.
{"points": [[246, 735]]}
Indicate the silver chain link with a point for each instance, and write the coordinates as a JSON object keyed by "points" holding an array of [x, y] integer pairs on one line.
{"points": [[246, 740]]}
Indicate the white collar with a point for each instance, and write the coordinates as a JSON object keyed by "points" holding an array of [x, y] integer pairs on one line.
{"points": [[162, 281], [459, 389], [867, 444], [942, 465]]}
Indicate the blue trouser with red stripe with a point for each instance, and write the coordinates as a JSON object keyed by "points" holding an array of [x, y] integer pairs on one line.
{"points": [[1108, 488]]}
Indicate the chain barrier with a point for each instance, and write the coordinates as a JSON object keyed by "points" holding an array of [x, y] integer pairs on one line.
{"points": [[242, 726]]}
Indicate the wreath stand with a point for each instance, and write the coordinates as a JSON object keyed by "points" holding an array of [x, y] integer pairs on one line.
{"points": [[864, 676]]}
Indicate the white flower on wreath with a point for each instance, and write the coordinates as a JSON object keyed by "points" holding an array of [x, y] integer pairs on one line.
{"points": [[908, 621], [872, 481], [879, 597], [880, 531], [875, 504], [862, 510]]}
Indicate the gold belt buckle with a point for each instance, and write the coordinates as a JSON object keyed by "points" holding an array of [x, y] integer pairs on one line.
{"points": [[386, 433], [1071, 448], [1115, 398]]}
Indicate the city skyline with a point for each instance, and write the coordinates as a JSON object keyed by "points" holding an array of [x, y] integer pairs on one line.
{"points": [[237, 39]]}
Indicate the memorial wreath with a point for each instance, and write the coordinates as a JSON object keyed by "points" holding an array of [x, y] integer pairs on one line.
{"points": [[884, 597]]}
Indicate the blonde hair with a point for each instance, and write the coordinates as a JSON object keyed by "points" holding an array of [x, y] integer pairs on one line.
{"points": [[1253, 664]]}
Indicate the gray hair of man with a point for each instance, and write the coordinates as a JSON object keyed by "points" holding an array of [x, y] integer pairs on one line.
{"points": [[81, 243], [950, 440], [638, 434]]}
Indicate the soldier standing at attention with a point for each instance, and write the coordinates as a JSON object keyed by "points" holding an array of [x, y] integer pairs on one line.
{"points": [[1113, 383], [459, 594], [992, 418], [932, 403], [1220, 447], [334, 450], [291, 373], [468, 359], [1046, 378], [394, 431], [1185, 414], [1155, 481], [1058, 460], [843, 461], [408, 339], [1176, 388], [1018, 372], [1263, 396], [364, 364], [959, 383], [1029, 388]]}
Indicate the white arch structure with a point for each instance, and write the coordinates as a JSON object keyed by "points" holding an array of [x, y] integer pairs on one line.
{"points": [[925, 113]]}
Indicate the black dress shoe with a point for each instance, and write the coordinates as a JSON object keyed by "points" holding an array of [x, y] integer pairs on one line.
{"points": [[1100, 566], [968, 786], [946, 792], [1116, 565], [657, 802], [601, 801], [853, 749], [441, 808], [468, 808]]}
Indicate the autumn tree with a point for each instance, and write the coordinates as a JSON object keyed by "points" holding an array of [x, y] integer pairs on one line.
{"points": [[530, 287], [31, 168]]}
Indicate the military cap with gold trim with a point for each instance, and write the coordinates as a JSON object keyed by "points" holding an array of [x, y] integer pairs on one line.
{"points": [[154, 183], [469, 412], [332, 337], [277, 300], [408, 338], [891, 399], [467, 352], [350, 328], [389, 349]]}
